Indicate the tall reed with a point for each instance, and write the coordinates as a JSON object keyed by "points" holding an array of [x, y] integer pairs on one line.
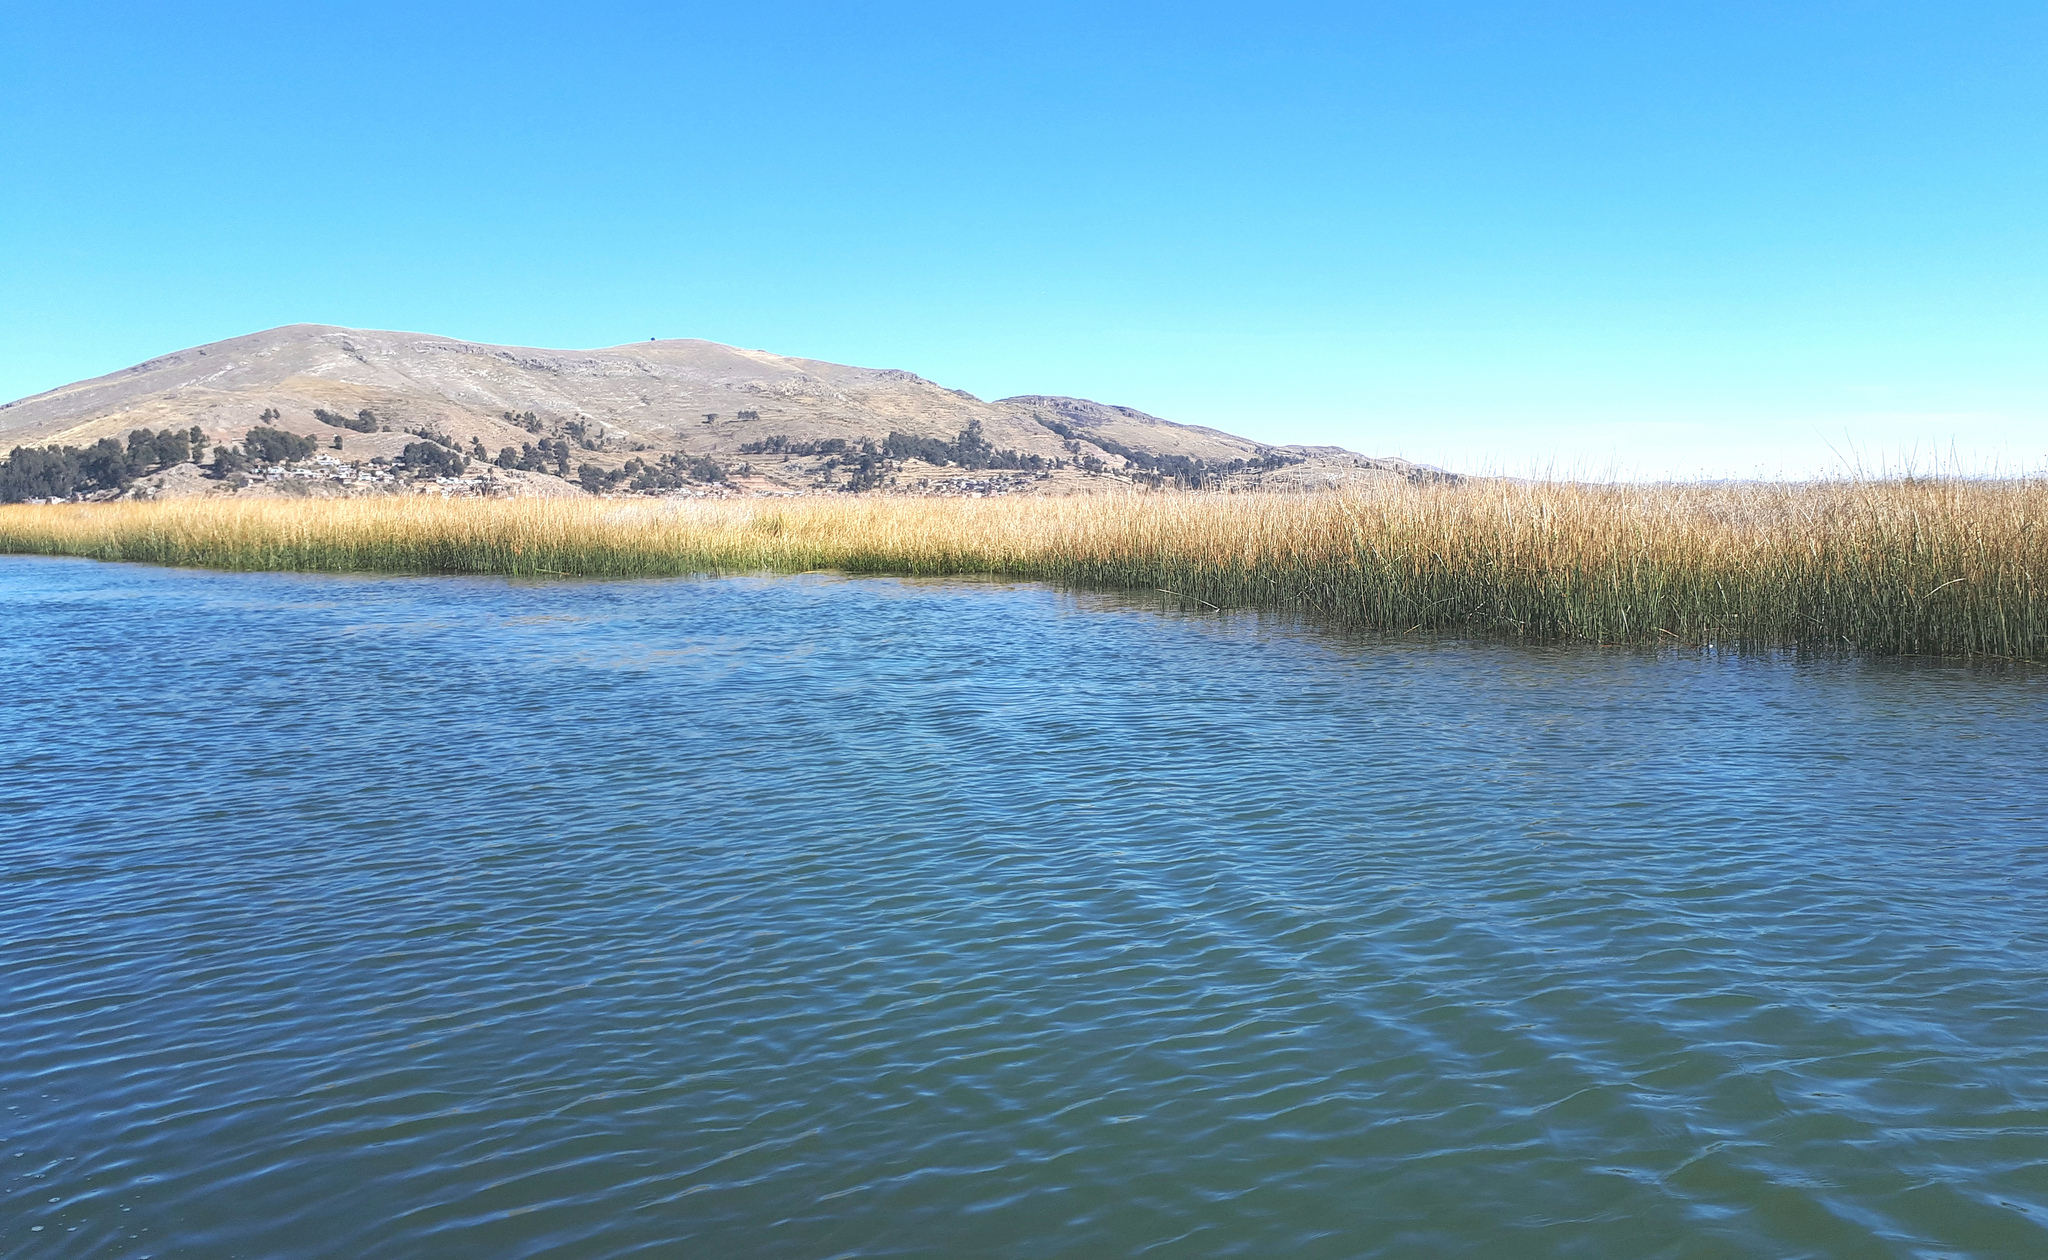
{"points": [[1903, 566]]}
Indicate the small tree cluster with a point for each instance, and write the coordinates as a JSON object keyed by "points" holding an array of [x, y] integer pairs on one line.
{"points": [[866, 471], [779, 444], [667, 472], [58, 472], [532, 458], [971, 450], [435, 436], [1180, 470], [261, 445], [364, 421], [275, 446], [432, 459]]}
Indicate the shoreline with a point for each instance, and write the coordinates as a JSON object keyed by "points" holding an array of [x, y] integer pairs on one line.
{"points": [[1927, 567]]}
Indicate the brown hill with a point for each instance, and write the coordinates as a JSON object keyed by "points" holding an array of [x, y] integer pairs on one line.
{"points": [[693, 398]]}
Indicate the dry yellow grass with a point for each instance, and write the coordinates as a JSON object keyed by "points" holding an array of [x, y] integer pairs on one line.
{"points": [[1937, 565]]}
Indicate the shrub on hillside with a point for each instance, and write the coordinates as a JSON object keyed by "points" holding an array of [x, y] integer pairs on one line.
{"points": [[364, 421]]}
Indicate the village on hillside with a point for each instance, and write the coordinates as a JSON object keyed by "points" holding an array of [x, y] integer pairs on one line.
{"points": [[363, 454], [313, 410]]}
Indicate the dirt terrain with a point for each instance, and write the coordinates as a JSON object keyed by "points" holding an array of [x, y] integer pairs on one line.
{"points": [[762, 418]]}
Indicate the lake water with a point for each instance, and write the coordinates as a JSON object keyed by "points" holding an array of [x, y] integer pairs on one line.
{"points": [[809, 918]]}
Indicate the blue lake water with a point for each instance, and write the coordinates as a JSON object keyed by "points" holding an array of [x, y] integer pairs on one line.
{"points": [[809, 918]]}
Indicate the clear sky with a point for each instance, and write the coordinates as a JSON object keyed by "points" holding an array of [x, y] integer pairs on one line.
{"points": [[1635, 238]]}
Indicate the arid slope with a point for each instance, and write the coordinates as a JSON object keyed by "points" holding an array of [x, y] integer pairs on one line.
{"points": [[697, 398]]}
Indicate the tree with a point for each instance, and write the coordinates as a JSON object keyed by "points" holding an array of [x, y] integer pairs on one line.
{"points": [[149, 451], [105, 464], [970, 450], [431, 459], [50, 472], [58, 472], [973, 450], [275, 446], [362, 422], [868, 471]]}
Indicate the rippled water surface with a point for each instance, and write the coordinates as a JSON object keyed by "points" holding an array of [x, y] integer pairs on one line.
{"points": [[351, 917]]}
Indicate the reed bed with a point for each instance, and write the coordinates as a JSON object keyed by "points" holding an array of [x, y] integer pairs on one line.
{"points": [[1944, 566]]}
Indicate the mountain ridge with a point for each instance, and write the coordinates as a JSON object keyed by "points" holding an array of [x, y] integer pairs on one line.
{"points": [[687, 397]]}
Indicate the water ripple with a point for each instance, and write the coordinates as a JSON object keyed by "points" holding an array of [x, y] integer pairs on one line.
{"points": [[826, 918]]}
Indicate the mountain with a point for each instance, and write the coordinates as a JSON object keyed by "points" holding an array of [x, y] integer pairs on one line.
{"points": [[692, 399]]}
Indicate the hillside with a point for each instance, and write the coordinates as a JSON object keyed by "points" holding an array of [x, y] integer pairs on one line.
{"points": [[778, 422]]}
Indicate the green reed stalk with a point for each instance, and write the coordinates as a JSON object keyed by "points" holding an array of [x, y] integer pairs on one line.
{"points": [[1940, 566]]}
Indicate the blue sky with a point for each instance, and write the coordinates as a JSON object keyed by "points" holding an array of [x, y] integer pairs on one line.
{"points": [[1640, 239]]}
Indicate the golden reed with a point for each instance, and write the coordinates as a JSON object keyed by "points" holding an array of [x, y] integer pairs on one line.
{"points": [[1943, 565]]}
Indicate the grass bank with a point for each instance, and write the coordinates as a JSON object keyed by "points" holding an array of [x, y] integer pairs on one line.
{"points": [[1923, 566]]}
